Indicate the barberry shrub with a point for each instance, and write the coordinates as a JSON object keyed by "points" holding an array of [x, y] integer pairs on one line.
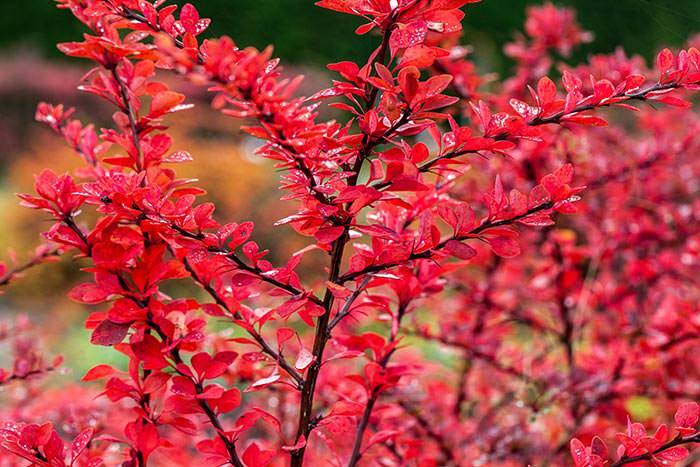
{"points": [[482, 303]]}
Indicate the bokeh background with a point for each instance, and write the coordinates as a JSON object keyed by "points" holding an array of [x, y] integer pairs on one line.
{"points": [[244, 187]]}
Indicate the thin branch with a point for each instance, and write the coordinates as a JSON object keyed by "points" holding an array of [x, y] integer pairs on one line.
{"points": [[376, 391], [321, 337], [491, 360], [347, 306], [26, 376], [678, 441], [552, 119], [35, 261], [130, 112], [175, 355], [489, 224], [445, 448], [267, 348]]}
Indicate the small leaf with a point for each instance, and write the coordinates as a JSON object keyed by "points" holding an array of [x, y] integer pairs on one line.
{"points": [[80, 443], [109, 333], [98, 372], [459, 250], [688, 415], [504, 247], [304, 359]]}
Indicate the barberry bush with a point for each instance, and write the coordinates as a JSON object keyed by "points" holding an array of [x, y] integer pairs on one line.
{"points": [[511, 266]]}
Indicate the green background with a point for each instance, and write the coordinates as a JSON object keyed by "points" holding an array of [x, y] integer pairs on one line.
{"points": [[304, 33]]}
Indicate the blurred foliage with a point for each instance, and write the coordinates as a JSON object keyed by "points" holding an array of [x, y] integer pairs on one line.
{"points": [[640, 408], [303, 33]]}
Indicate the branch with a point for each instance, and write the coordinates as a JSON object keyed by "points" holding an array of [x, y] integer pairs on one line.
{"points": [[445, 449], [678, 441], [26, 376], [203, 404], [320, 339], [477, 354], [175, 355], [622, 96], [376, 391], [231, 255], [322, 326], [552, 119], [262, 115], [278, 357], [348, 304], [489, 224], [130, 112], [10, 274]]}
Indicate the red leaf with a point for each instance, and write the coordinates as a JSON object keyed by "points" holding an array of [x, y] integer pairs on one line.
{"points": [[589, 120], [165, 102], [674, 101], [253, 456], [264, 382], [578, 453], [80, 443], [459, 250], [504, 247], [109, 333], [178, 157], [688, 415], [382, 436], [97, 372], [408, 35], [329, 235], [89, 293], [546, 90], [664, 61], [675, 454], [230, 400], [599, 448]]}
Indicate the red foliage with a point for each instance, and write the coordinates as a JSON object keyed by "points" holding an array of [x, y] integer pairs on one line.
{"points": [[552, 335]]}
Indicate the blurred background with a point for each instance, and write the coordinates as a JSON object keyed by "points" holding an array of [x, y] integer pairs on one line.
{"points": [[305, 37]]}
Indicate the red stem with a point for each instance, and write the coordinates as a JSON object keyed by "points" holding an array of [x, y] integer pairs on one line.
{"points": [[650, 455], [489, 224], [305, 424]]}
